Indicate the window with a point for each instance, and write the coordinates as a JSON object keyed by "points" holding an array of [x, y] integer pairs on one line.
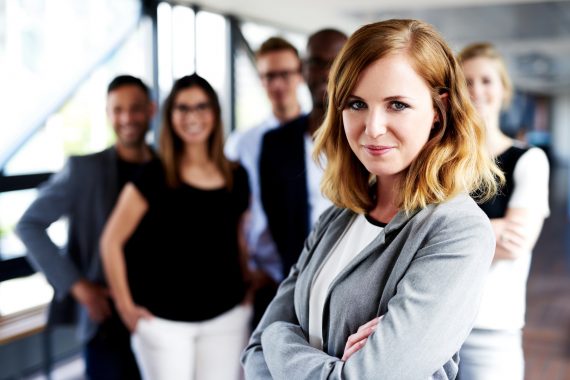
{"points": [[80, 126], [213, 56], [42, 58]]}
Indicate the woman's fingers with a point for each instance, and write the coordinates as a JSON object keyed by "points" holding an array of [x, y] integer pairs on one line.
{"points": [[354, 348], [357, 340], [512, 241], [369, 324], [131, 317], [144, 313]]}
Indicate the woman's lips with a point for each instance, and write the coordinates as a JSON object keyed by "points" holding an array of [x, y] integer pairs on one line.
{"points": [[378, 150]]}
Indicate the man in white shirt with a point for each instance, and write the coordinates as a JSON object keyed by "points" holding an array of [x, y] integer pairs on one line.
{"points": [[279, 68]]}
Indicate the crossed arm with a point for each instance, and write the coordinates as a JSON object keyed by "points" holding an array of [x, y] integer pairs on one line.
{"points": [[428, 319], [516, 233]]}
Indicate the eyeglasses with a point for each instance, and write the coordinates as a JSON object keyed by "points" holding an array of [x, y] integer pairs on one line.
{"points": [[200, 109], [284, 75]]}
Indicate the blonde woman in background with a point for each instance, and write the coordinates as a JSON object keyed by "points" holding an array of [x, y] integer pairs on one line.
{"points": [[494, 348]]}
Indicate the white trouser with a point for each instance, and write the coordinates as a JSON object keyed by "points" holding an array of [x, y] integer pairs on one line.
{"points": [[492, 355], [208, 350]]}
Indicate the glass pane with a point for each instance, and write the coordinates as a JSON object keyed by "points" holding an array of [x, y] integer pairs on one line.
{"points": [[164, 28], [183, 59], [80, 126], [42, 58], [13, 204], [252, 105], [212, 56], [256, 33]]}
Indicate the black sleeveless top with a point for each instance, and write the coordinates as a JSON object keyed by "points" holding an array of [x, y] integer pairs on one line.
{"points": [[497, 206], [183, 260]]}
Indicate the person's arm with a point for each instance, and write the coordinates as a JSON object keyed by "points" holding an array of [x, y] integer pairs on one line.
{"points": [[516, 233], [428, 319], [244, 257], [264, 257], [55, 199], [281, 309], [124, 219]]}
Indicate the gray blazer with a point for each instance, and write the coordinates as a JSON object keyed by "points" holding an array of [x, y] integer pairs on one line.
{"points": [[424, 272], [84, 191]]}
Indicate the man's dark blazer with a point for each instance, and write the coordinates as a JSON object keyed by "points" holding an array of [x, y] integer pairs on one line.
{"points": [[84, 191], [283, 183]]}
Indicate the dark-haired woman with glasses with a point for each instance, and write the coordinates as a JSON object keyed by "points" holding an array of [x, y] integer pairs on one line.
{"points": [[172, 247]]}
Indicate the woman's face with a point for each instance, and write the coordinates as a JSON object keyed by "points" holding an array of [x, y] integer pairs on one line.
{"points": [[192, 116], [388, 116], [485, 86]]}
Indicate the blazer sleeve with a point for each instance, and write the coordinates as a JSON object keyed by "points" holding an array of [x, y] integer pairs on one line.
{"points": [[282, 308], [54, 200], [427, 321]]}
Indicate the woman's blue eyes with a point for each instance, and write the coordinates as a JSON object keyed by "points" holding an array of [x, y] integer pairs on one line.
{"points": [[398, 106], [356, 105], [395, 105]]}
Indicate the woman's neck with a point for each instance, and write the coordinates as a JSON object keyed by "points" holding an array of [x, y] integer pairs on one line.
{"points": [[497, 141], [199, 170], [196, 155], [386, 199]]}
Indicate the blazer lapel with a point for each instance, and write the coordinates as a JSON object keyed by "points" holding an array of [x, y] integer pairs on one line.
{"points": [[323, 247], [375, 245], [108, 175]]}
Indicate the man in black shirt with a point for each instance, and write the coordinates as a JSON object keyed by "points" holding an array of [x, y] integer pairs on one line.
{"points": [[85, 191], [291, 198]]}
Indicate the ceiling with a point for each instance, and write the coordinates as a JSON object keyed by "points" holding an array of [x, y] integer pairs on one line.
{"points": [[533, 36]]}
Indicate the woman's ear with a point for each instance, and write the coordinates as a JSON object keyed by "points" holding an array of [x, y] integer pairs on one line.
{"points": [[444, 101]]}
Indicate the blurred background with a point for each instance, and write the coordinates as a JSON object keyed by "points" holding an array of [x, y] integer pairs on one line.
{"points": [[57, 57]]}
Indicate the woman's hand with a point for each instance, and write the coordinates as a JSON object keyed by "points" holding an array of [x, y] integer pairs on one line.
{"points": [[357, 340], [131, 315], [511, 239]]}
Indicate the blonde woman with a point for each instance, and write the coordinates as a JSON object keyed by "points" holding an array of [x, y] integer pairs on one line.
{"points": [[494, 348], [171, 249], [389, 282]]}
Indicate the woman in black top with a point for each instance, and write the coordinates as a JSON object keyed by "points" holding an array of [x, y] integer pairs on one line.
{"points": [[172, 251]]}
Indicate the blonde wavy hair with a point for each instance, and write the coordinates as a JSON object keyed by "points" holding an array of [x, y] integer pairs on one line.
{"points": [[453, 161], [487, 50]]}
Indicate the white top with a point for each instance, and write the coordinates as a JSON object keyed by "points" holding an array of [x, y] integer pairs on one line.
{"points": [[245, 147], [504, 297], [359, 234], [317, 201]]}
